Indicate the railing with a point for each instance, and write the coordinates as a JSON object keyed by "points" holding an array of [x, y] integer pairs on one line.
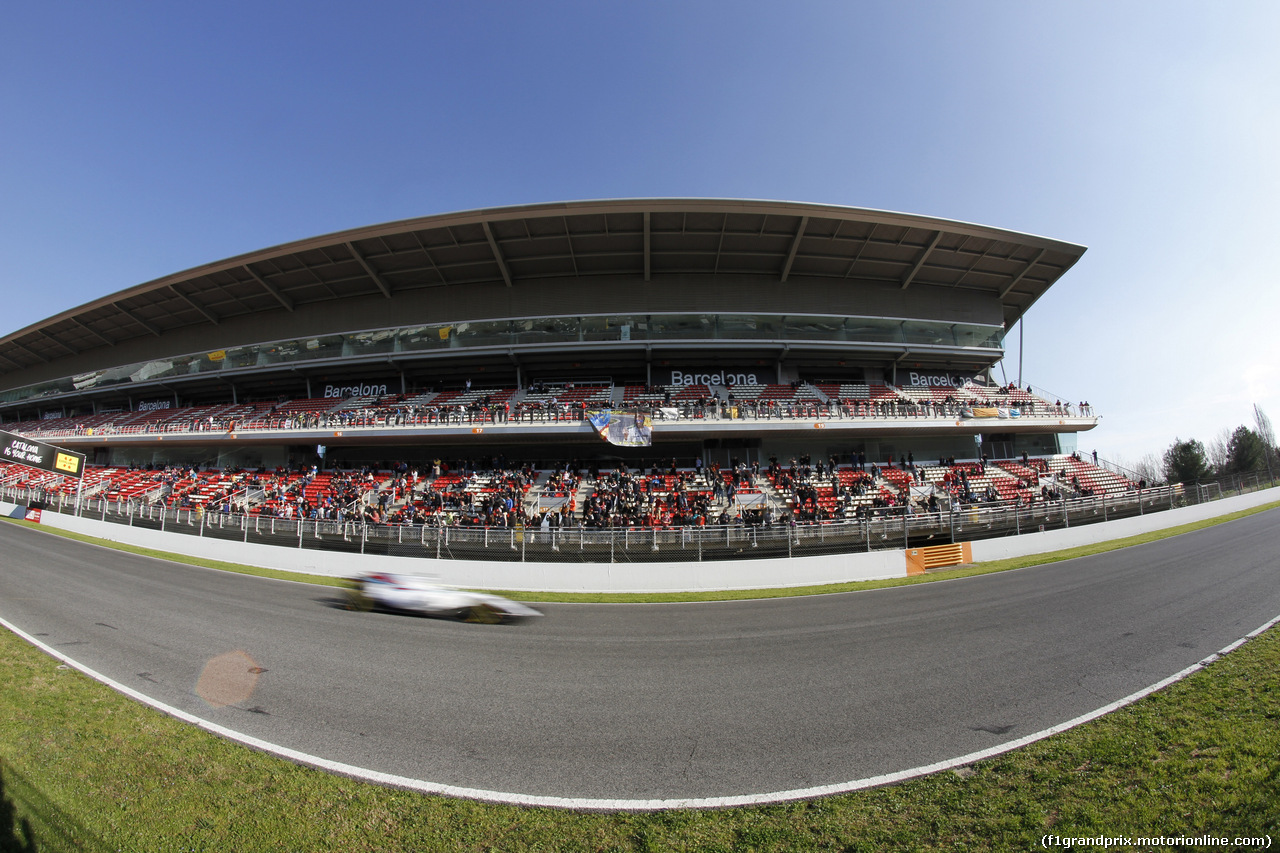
{"points": [[254, 496], [426, 418], [884, 529], [154, 494], [1116, 468], [97, 488], [243, 498]]}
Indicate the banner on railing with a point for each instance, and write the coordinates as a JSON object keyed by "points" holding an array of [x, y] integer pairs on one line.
{"points": [[626, 429], [987, 412], [37, 454]]}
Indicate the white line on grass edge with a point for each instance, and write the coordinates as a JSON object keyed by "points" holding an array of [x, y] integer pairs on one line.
{"points": [[595, 804]]}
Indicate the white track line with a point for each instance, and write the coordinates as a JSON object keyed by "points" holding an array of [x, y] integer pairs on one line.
{"points": [[593, 804]]}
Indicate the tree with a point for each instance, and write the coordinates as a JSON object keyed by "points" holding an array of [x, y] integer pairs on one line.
{"points": [[1217, 450], [1149, 468], [1266, 434], [1245, 452], [1185, 462]]}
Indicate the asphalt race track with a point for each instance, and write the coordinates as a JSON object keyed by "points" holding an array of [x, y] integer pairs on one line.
{"points": [[651, 702]]}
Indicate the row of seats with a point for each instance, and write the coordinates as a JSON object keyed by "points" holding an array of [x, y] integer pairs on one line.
{"points": [[846, 489], [837, 493], [857, 397]]}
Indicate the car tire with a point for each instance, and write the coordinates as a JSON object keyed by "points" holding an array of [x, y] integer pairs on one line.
{"points": [[482, 614], [358, 601]]}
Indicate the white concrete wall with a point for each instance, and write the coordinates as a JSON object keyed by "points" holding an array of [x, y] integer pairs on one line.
{"points": [[489, 574], [1056, 540], [634, 577]]}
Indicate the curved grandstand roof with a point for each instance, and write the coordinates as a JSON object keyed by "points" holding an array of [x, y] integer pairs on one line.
{"points": [[632, 239]]}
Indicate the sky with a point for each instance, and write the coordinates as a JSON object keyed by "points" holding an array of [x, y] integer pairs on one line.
{"points": [[142, 139]]}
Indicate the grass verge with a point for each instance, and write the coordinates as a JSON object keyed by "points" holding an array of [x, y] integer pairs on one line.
{"points": [[714, 595], [84, 768]]}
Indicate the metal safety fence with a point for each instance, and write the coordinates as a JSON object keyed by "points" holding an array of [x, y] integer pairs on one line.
{"points": [[889, 528]]}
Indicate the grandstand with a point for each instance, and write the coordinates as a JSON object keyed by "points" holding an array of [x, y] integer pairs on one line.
{"points": [[658, 497], [443, 370]]}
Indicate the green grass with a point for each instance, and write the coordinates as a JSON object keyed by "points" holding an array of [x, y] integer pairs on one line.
{"points": [[716, 595], [84, 768]]}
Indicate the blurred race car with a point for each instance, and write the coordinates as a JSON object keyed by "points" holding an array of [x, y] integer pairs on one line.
{"points": [[417, 594]]}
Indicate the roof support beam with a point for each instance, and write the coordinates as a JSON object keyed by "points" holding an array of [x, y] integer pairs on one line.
{"points": [[1017, 278], [497, 254], [981, 256], [93, 332], [647, 239], [208, 315], [11, 361], [427, 252], [795, 247], [316, 276], [568, 237], [271, 288], [59, 343], [135, 318], [373, 274], [724, 223], [29, 350], [924, 256], [858, 255]]}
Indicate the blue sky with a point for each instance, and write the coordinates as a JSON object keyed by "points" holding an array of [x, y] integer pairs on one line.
{"points": [[140, 139]]}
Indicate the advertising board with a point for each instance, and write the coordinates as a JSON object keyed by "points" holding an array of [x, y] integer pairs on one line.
{"points": [[37, 454]]}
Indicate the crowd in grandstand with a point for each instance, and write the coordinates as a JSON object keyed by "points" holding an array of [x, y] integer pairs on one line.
{"points": [[494, 492], [543, 403]]}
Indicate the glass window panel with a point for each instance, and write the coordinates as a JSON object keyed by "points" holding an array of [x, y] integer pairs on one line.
{"points": [[370, 343], [936, 334], [532, 331], [602, 329], [424, 338], [813, 328], [873, 330]]}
